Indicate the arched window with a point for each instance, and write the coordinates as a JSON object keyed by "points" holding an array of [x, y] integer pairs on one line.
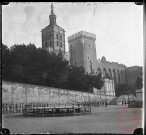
{"points": [[118, 76], [104, 72], [110, 73], [121, 76], [114, 75]]}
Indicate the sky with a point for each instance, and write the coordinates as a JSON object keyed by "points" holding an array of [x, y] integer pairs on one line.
{"points": [[118, 26]]}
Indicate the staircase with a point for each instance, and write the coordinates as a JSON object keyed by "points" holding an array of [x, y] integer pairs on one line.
{"points": [[113, 101], [121, 98], [118, 100]]}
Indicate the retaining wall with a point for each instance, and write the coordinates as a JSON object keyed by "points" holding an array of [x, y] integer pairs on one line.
{"points": [[13, 93]]}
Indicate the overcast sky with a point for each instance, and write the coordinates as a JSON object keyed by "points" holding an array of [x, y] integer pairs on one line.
{"points": [[118, 26]]}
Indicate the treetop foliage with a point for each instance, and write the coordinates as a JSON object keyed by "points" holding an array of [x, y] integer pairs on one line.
{"points": [[28, 64], [139, 81]]}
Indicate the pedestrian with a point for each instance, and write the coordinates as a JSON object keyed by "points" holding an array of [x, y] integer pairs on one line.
{"points": [[88, 104], [122, 102], [81, 103], [125, 102], [10, 108], [15, 108], [84, 104], [106, 104], [78, 104], [97, 104]]}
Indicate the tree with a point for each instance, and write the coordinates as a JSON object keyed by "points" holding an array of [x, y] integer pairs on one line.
{"points": [[98, 81], [139, 84], [121, 89], [77, 80], [95, 81], [6, 60], [28, 64]]}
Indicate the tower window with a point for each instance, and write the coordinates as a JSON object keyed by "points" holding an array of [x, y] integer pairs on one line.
{"points": [[57, 42], [60, 37], [50, 43], [61, 44], [57, 36]]}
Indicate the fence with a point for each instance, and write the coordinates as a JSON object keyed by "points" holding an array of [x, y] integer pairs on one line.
{"points": [[18, 108]]}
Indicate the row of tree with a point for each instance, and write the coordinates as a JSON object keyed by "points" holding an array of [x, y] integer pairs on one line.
{"points": [[124, 89], [28, 64]]}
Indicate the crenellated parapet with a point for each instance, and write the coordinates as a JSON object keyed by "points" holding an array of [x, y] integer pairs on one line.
{"points": [[82, 33]]}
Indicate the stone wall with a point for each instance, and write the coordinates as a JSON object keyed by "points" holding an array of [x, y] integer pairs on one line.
{"points": [[139, 95], [14, 93], [109, 87]]}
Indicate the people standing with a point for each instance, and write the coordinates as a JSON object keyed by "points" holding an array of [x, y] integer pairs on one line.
{"points": [[125, 102], [106, 104]]}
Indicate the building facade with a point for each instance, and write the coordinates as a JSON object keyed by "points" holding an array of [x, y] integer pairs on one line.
{"points": [[53, 36], [83, 51], [82, 48]]}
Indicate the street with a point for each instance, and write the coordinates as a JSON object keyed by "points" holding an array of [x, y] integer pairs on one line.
{"points": [[102, 120]]}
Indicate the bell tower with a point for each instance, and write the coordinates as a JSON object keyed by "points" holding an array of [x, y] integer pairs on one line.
{"points": [[53, 36]]}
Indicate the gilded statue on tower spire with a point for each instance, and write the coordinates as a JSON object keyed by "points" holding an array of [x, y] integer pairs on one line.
{"points": [[52, 8]]}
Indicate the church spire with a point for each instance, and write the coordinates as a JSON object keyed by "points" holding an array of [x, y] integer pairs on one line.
{"points": [[52, 9], [52, 16]]}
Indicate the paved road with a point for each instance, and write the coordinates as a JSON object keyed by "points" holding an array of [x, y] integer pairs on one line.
{"points": [[102, 120]]}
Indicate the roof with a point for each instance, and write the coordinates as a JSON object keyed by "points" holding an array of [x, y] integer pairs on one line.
{"points": [[53, 25], [58, 26]]}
